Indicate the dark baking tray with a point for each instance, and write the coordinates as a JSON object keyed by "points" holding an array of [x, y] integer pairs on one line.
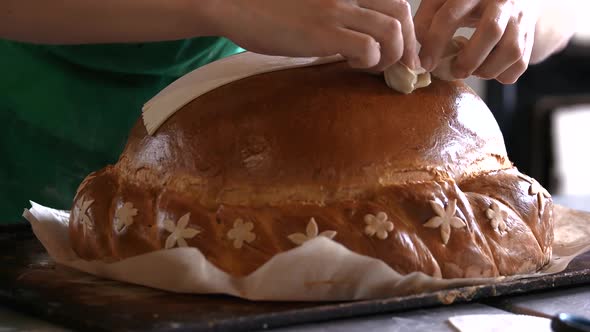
{"points": [[31, 282]]}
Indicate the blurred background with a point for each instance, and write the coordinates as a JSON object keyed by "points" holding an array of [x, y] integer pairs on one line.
{"points": [[545, 118]]}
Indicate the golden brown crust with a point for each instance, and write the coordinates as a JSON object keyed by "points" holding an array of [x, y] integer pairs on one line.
{"points": [[249, 165]]}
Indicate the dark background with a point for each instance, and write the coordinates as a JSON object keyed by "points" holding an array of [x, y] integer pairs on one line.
{"points": [[523, 110]]}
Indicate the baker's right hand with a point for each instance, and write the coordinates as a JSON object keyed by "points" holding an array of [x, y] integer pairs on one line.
{"points": [[370, 34]]}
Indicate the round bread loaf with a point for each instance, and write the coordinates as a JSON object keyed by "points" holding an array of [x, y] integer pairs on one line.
{"points": [[261, 165]]}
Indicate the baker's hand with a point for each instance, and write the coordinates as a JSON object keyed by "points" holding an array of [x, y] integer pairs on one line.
{"points": [[370, 34], [501, 45]]}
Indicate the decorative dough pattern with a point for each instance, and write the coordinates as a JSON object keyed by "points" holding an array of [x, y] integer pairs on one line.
{"points": [[538, 190], [311, 232], [179, 232], [497, 217], [241, 232], [124, 216], [378, 225], [445, 219], [85, 220]]}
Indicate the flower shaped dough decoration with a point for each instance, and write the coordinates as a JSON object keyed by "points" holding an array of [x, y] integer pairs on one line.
{"points": [[445, 219], [179, 232], [83, 216], [497, 217], [241, 232], [378, 225], [311, 232], [124, 216], [536, 189]]}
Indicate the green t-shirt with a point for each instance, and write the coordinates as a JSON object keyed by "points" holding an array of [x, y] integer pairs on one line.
{"points": [[66, 111]]}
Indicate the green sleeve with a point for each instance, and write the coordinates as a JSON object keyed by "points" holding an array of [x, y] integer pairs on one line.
{"points": [[66, 110]]}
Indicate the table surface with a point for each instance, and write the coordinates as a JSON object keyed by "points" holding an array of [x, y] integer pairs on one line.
{"points": [[573, 300]]}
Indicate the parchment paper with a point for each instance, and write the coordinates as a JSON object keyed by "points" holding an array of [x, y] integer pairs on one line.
{"points": [[318, 270]]}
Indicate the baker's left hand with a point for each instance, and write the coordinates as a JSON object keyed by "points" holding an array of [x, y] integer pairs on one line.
{"points": [[501, 45]]}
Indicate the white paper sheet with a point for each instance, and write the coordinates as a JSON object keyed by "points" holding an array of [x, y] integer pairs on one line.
{"points": [[500, 323]]}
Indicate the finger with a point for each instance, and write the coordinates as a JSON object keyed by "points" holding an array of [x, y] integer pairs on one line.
{"points": [[445, 23], [424, 16], [488, 33], [511, 75], [359, 49], [401, 11], [509, 50], [384, 29]]}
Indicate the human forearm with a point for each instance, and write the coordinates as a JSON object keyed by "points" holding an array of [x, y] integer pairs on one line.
{"points": [[371, 34], [558, 21], [106, 21]]}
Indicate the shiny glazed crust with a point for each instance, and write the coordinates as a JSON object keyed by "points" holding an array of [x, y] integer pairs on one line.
{"points": [[261, 165]]}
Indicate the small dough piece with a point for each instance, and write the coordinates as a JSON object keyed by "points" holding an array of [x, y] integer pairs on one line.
{"points": [[405, 80]]}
